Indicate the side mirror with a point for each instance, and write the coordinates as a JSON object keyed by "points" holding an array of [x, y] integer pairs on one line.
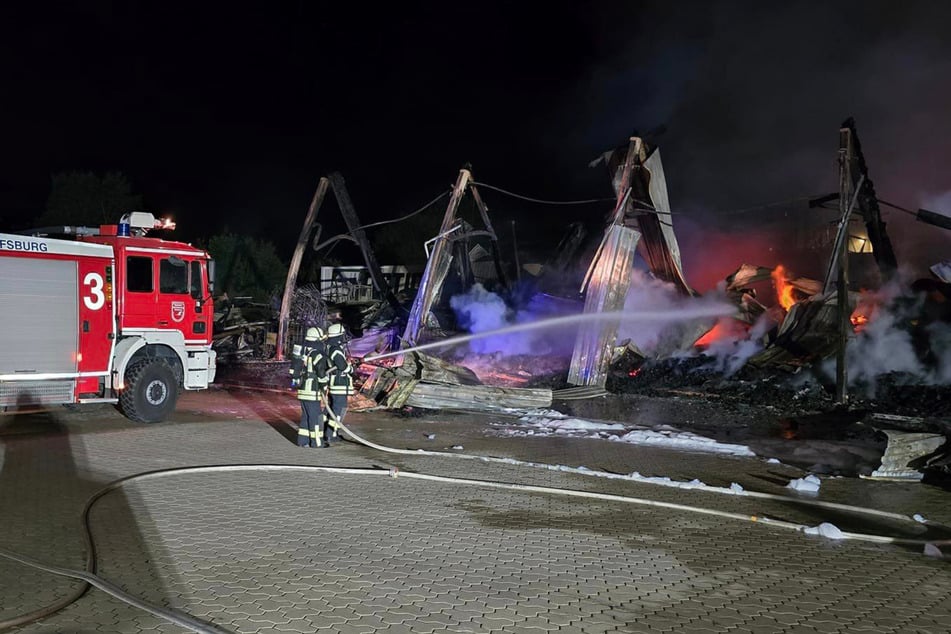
{"points": [[211, 277]]}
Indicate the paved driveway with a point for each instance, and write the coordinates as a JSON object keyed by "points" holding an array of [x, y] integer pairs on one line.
{"points": [[307, 551]]}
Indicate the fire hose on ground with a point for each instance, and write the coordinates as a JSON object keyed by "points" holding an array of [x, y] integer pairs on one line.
{"points": [[189, 622]]}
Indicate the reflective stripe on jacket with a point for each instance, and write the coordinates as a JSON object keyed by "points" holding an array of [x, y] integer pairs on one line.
{"points": [[315, 376], [341, 381]]}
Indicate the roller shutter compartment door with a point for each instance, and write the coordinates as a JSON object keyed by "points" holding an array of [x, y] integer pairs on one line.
{"points": [[40, 303]]}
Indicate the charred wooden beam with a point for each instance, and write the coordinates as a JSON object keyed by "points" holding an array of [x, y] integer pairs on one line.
{"points": [[932, 218], [353, 224], [822, 200], [846, 185], [484, 212], [437, 267], [460, 258], [868, 204], [840, 245], [565, 252], [294, 267]]}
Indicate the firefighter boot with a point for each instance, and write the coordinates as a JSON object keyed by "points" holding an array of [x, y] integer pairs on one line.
{"points": [[332, 421], [338, 405], [330, 433]]}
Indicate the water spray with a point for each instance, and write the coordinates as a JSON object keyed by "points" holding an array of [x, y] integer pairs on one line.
{"points": [[713, 310]]}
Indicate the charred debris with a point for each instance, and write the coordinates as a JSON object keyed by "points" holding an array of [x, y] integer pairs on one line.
{"points": [[783, 342]]}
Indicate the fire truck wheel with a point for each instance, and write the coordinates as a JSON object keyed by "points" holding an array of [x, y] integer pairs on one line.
{"points": [[151, 392]]}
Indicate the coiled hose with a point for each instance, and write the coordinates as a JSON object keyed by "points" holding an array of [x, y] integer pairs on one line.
{"points": [[189, 622]]}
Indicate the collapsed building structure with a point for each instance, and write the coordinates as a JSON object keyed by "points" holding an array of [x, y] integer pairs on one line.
{"points": [[811, 320], [422, 381]]}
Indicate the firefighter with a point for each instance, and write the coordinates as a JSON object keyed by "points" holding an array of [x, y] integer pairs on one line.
{"points": [[340, 381], [308, 361]]}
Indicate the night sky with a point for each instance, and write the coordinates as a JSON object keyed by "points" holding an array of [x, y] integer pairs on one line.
{"points": [[226, 114]]}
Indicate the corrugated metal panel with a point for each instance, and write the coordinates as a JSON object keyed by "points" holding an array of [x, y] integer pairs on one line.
{"points": [[658, 192], [607, 291], [39, 332]]}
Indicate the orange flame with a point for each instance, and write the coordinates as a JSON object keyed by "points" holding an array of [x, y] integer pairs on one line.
{"points": [[865, 310], [859, 322], [726, 329], [785, 292]]}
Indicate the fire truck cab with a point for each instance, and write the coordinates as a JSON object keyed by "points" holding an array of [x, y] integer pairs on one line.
{"points": [[110, 316]]}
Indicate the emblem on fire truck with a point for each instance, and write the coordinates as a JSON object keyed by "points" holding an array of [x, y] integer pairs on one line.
{"points": [[178, 311]]}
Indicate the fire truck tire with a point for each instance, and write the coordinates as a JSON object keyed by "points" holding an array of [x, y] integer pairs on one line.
{"points": [[151, 392]]}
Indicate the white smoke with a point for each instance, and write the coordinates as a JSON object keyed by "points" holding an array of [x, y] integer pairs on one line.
{"points": [[660, 339], [480, 310], [886, 344], [731, 353], [880, 349], [940, 337]]}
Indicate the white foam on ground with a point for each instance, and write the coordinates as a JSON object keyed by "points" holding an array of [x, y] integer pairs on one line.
{"points": [[809, 484], [933, 551], [537, 423], [682, 440], [825, 529], [635, 476]]}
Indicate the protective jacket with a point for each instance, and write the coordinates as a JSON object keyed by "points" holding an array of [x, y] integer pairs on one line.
{"points": [[299, 360], [313, 376], [339, 371]]}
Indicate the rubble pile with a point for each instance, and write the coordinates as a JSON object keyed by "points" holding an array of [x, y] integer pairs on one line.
{"points": [[519, 370], [858, 342], [794, 394]]}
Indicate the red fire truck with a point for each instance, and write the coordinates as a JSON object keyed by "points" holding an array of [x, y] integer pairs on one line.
{"points": [[111, 316]]}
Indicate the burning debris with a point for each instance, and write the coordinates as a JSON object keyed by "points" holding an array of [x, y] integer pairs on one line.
{"points": [[426, 382], [764, 336]]}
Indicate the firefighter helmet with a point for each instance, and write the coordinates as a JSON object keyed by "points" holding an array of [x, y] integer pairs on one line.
{"points": [[314, 334], [335, 330]]}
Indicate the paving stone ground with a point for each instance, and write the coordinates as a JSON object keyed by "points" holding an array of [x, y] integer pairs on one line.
{"points": [[307, 551]]}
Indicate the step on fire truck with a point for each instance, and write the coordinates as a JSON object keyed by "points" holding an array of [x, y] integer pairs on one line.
{"points": [[111, 316]]}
